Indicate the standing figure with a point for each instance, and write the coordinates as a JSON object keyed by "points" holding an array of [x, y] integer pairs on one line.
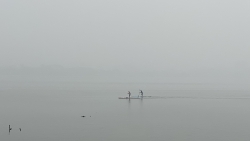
{"points": [[141, 93], [129, 94]]}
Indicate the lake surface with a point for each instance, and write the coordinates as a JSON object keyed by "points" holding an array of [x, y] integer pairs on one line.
{"points": [[51, 111]]}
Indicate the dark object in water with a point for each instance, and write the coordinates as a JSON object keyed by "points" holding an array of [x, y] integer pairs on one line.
{"points": [[9, 128], [20, 129], [82, 116]]}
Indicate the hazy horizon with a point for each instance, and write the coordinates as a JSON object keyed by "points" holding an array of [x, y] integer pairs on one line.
{"points": [[205, 41]]}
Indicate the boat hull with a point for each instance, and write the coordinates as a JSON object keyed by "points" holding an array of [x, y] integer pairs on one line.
{"points": [[129, 98]]}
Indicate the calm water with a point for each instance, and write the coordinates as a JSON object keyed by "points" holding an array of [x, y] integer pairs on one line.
{"points": [[52, 111]]}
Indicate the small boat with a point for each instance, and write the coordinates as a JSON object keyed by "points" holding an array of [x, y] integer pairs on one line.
{"points": [[132, 97]]}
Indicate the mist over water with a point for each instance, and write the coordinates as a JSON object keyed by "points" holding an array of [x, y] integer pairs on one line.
{"points": [[61, 60], [50, 108]]}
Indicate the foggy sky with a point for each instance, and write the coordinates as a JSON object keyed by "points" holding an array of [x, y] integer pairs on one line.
{"points": [[134, 35]]}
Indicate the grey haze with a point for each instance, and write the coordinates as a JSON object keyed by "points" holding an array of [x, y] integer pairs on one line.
{"points": [[171, 38]]}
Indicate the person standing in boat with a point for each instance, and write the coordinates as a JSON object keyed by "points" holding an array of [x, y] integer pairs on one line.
{"points": [[141, 93], [129, 94]]}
